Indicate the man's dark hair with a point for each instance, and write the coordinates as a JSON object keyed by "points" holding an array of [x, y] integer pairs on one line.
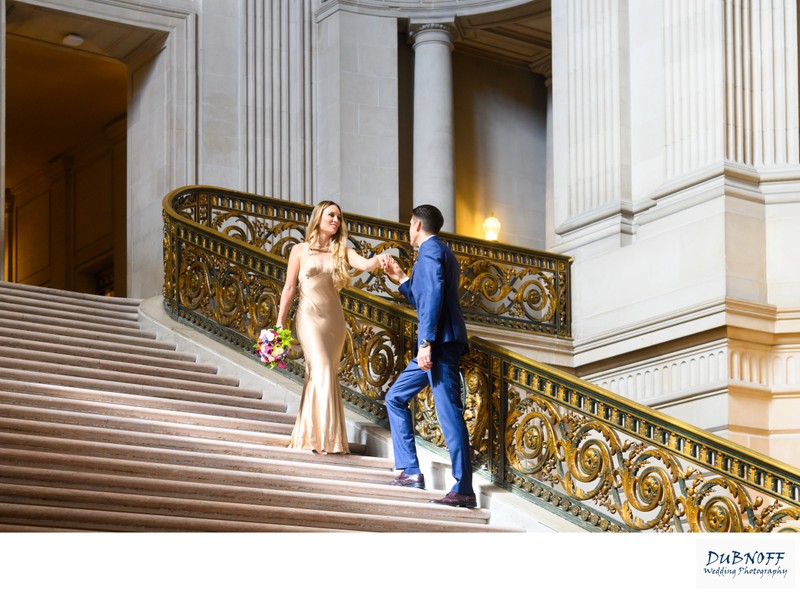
{"points": [[430, 217]]}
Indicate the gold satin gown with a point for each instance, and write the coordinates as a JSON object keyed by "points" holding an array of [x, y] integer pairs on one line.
{"points": [[321, 330]]}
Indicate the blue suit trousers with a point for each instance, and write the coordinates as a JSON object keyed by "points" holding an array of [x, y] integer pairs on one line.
{"points": [[445, 382]]}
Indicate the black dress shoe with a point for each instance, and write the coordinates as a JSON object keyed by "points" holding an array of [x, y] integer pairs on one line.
{"points": [[409, 480], [454, 499]]}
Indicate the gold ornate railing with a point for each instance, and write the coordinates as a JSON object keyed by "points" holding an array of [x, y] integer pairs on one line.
{"points": [[594, 457], [505, 286]]}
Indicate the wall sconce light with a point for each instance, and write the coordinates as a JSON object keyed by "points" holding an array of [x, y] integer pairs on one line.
{"points": [[491, 228]]}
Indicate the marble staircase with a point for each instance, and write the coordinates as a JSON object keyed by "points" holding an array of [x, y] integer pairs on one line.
{"points": [[105, 426]]}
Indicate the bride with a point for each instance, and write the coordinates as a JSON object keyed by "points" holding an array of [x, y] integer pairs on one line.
{"points": [[318, 268]]}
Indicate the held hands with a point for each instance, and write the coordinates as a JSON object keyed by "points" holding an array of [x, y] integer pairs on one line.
{"points": [[392, 269], [382, 259]]}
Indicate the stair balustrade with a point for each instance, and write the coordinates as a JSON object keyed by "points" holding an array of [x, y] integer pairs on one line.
{"points": [[592, 456], [502, 286]]}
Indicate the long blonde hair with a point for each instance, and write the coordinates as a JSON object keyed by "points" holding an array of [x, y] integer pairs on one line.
{"points": [[339, 263]]}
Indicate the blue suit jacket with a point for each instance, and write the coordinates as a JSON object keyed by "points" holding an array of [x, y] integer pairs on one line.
{"points": [[433, 291]]}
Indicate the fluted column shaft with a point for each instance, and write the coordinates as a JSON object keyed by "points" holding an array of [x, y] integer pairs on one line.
{"points": [[278, 82], [434, 177], [591, 96], [761, 84]]}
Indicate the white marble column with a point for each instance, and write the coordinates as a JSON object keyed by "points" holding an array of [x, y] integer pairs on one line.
{"points": [[434, 177]]}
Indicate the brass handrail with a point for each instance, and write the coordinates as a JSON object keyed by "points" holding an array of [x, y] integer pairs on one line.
{"points": [[597, 458], [502, 285]]}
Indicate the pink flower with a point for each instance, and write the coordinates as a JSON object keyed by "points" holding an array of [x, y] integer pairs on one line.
{"points": [[273, 346]]}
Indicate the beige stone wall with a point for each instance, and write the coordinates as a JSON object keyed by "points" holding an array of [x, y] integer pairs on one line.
{"points": [[500, 117]]}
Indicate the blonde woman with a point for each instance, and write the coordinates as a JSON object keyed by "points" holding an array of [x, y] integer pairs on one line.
{"points": [[319, 268]]}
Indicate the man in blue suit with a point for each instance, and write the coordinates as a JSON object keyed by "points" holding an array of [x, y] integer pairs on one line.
{"points": [[442, 339]]}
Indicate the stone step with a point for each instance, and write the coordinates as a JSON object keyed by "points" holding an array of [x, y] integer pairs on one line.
{"points": [[274, 412], [79, 519], [247, 458], [222, 491], [57, 422], [221, 395], [105, 427], [18, 494], [110, 317], [45, 319], [153, 358], [9, 528], [102, 339], [341, 482], [55, 294], [72, 363], [279, 424]]}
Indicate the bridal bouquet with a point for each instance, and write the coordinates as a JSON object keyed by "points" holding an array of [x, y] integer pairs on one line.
{"points": [[273, 346]]}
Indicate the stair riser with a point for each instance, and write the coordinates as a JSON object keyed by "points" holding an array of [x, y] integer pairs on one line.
{"points": [[41, 368], [72, 302], [281, 424], [101, 339], [46, 409], [70, 312], [73, 363], [226, 493], [83, 325], [344, 483], [271, 461], [224, 511], [47, 294], [151, 357], [271, 413], [109, 429], [237, 397], [9, 528], [90, 520]]}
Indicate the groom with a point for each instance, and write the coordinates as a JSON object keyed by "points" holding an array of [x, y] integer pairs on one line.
{"points": [[442, 339]]}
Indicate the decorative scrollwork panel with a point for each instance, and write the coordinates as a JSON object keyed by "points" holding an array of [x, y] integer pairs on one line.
{"points": [[645, 487], [369, 359], [501, 285]]}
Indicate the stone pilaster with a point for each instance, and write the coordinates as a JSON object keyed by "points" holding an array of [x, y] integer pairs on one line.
{"points": [[278, 85], [591, 82], [693, 84], [761, 102], [357, 120]]}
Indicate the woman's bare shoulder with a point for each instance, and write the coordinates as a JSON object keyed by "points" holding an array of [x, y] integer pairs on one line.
{"points": [[298, 250]]}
